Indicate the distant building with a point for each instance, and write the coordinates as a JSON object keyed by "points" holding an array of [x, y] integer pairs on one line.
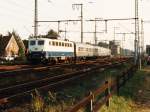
{"points": [[8, 46], [148, 50], [115, 48]]}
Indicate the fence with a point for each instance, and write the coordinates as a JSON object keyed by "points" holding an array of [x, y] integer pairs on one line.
{"points": [[106, 90]]}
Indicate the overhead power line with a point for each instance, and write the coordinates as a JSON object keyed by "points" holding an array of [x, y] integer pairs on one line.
{"points": [[58, 22]]}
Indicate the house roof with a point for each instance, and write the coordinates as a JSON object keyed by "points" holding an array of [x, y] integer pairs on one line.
{"points": [[3, 43]]}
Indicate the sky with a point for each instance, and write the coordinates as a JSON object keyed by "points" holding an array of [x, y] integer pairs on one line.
{"points": [[18, 15]]}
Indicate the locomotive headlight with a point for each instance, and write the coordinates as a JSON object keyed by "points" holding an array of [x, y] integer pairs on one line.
{"points": [[44, 53]]}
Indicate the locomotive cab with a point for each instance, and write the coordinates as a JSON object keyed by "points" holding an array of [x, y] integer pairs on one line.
{"points": [[36, 50]]}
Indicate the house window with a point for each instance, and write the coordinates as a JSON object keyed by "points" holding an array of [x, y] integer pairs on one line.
{"points": [[32, 42], [41, 42]]}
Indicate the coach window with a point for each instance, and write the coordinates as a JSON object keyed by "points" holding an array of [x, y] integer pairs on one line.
{"points": [[96, 50], [41, 42], [79, 49], [32, 42], [89, 49]]}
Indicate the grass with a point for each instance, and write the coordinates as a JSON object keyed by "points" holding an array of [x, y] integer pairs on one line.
{"points": [[134, 85], [57, 102], [118, 104], [129, 98]]}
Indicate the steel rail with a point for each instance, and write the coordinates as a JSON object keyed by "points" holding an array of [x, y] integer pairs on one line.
{"points": [[52, 84]]}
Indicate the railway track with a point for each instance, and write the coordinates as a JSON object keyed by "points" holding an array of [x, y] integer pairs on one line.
{"points": [[12, 93], [28, 74], [15, 72], [25, 68]]}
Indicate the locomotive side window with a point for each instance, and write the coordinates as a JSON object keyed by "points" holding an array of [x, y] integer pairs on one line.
{"points": [[41, 42], [62, 44], [65, 44], [49, 42], [32, 42], [53, 43], [70, 45], [56, 43], [59, 43]]}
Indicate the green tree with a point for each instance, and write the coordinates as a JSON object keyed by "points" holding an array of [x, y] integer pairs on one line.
{"points": [[102, 44], [52, 34], [25, 43]]}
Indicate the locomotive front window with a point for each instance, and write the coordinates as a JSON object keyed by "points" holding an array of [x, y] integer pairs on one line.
{"points": [[32, 42], [41, 42]]}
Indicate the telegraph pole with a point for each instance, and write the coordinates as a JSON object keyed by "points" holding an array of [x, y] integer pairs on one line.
{"points": [[81, 23], [136, 41], [142, 40], [123, 39], [95, 30], [142, 37], [142, 33], [95, 36], [81, 19], [36, 19], [115, 33]]}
